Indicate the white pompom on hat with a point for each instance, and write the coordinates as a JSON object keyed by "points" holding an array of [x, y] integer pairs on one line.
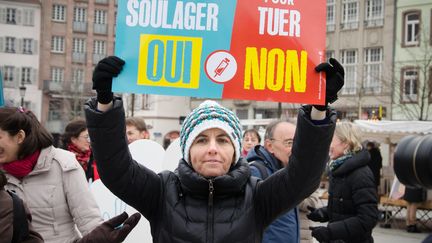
{"points": [[210, 114]]}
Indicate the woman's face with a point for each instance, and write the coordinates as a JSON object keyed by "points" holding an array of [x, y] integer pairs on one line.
{"points": [[9, 146], [212, 153], [249, 141], [337, 148], [82, 141]]}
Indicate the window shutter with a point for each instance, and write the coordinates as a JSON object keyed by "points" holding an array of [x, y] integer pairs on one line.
{"points": [[19, 48], [2, 45], [33, 76], [18, 17], [2, 15], [35, 46], [31, 14], [17, 76]]}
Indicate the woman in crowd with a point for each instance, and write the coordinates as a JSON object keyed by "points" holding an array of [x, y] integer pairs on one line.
{"points": [[251, 138], [76, 140], [212, 196], [413, 197], [352, 209], [48, 179]]}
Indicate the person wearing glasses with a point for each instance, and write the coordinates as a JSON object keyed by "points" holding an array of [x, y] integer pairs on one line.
{"points": [[266, 160], [76, 140]]}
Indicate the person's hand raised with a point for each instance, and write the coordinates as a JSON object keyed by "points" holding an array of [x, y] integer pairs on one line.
{"points": [[103, 74], [335, 79]]}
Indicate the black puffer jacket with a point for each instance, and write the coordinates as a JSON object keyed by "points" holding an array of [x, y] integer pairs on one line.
{"points": [[184, 206], [353, 202]]}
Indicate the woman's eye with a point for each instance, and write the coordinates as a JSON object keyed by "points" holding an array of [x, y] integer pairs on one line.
{"points": [[200, 140], [223, 140]]}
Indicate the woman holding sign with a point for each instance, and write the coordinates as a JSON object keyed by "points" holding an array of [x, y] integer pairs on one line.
{"points": [[211, 197]]}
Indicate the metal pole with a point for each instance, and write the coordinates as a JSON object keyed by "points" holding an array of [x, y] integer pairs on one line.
{"points": [[22, 101]]}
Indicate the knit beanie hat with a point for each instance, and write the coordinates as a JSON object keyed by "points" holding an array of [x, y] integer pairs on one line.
{"points": [[210, 114]]}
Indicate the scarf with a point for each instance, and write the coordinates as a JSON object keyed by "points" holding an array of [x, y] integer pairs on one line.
{"points": [[82, 157], [334, 164], [22, 167]]}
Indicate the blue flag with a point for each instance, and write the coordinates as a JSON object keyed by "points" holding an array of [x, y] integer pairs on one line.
{"points": [[1, 90]]}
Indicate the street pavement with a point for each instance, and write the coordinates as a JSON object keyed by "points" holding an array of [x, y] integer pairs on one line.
{"points": [[396, 235]]}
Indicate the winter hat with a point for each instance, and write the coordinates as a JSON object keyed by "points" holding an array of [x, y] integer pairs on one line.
{"points": [[210, 114]]}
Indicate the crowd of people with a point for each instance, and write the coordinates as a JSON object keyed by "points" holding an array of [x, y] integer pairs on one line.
{"points": [[230, 185]]}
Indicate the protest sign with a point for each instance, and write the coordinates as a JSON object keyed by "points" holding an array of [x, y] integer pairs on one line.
{"points": [[243, 49]]}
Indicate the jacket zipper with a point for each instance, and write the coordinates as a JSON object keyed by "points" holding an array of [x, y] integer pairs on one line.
{"points": [[210, 213]]}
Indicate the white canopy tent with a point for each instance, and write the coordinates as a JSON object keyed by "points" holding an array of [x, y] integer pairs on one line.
{"points": [[392, 131]]}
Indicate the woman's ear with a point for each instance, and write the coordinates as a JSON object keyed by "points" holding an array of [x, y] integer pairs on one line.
{"points": [[21, 135]]}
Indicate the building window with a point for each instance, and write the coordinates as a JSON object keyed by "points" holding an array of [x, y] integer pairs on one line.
{"points": [[57, 44], [26, 73], [99, 47], [100, 17], [374, 13], [59, 13], [372, 70], [409, 85], [78, 75], [349, 60], [10, 44], [27, 47], [331, 6], [349, 14], [411, 29], [80, 14], [79, 45], [11, 16], [8, 74], [57, 74]]}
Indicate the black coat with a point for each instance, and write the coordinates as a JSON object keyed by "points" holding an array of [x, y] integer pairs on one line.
{"points": [[185, 207], [353, 202]]}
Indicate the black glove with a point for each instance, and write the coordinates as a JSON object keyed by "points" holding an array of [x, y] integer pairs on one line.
{"points": [[317, 215], [334, 81], [103, 74], [321, 233], [112, 230]]}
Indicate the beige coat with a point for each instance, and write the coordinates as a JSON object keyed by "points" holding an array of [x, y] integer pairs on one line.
{"points": [[312, 201], [58, 196]]}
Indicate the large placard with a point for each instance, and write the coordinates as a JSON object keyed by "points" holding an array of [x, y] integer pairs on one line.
{"points": [[244, 49]]}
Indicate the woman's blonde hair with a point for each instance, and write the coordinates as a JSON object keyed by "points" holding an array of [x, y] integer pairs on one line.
{"points": [[348, 133]]}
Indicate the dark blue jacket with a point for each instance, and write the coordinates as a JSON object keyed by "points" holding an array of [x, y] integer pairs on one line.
{"points": [[286, 228]]}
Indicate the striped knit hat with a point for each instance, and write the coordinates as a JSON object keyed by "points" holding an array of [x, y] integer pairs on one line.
{"points": [[210, 114]]}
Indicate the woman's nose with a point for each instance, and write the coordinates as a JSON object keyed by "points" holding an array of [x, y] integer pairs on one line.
{"points": [[213, 147]]}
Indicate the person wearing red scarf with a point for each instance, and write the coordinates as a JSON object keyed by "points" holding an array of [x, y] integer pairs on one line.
{"points": [[48, 179], [76, 140]]}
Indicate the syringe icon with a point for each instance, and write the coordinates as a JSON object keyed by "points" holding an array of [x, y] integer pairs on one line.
{"points": [[221, 67]]}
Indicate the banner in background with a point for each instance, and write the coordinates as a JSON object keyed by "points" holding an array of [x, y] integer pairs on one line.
{"points": [[244, 49]]}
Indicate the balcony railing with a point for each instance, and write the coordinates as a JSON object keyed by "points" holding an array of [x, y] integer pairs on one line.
{"points": [[101, 29], [102, 1], [67, 89], [79, 57], [79, 26], [97, 57]]}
